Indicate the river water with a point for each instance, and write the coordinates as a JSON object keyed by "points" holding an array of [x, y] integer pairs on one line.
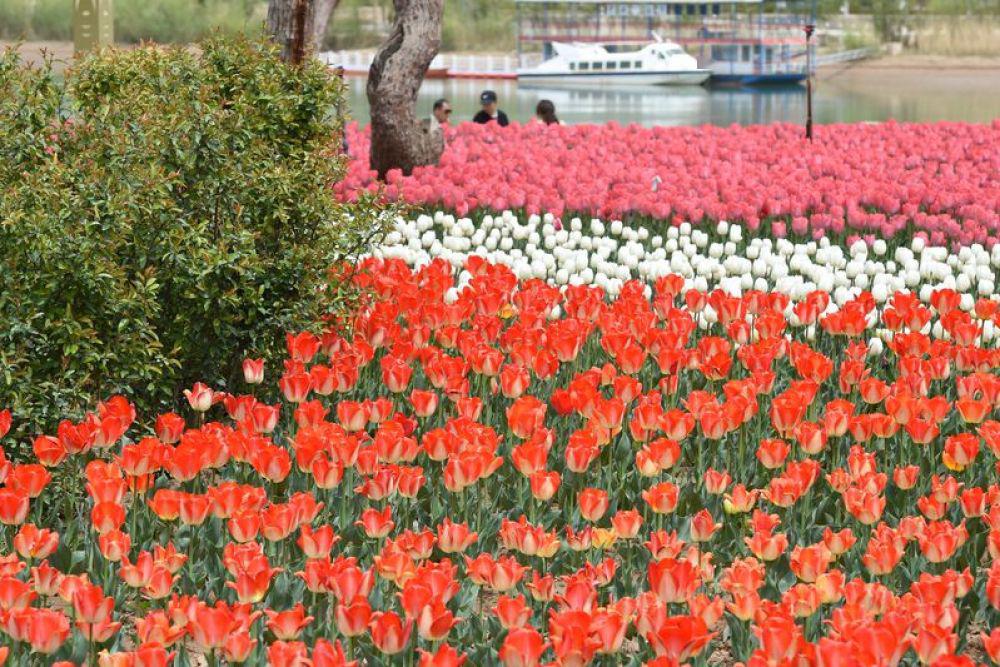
{"points": [[903, 96]]}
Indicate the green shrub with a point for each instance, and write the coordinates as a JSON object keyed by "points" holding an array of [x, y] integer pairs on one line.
{"points": [[163, 212]]}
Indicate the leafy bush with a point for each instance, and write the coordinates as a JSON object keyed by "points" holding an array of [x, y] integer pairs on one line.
{"points": [[162, 213]]}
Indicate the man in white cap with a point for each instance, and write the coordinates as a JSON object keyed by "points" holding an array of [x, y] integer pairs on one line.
{"points": [[490, 113]]}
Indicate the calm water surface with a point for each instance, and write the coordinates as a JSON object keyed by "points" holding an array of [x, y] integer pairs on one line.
{"points": [[907, 96]]}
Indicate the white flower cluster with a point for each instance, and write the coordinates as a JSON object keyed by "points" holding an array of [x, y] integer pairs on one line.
{"points": [[608, 254]]}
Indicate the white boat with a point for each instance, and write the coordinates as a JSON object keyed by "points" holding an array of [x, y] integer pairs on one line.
{"points": [[661, 63]]}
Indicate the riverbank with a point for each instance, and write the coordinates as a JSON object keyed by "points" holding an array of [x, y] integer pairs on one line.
{"points": [[912, 70]]}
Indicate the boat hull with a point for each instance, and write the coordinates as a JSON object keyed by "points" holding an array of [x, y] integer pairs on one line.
{"points": [[758, 79], [437, 73], [588, 79]]}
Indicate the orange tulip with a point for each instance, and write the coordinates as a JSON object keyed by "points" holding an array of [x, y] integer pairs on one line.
{"points": [[389, 633], [522, 647], [593, 503], [287, 625], [454, 537], [662, 498], [35, 543], [353, 617], [673, 581]]}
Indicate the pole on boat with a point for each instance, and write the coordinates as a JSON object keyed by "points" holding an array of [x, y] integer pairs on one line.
{"points": [[809, 28]]}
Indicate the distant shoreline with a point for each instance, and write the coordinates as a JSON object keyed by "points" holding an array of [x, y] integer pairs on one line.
{"points": [[911, 70], [905, 66]]}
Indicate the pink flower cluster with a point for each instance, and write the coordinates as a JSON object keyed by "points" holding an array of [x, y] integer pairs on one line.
{"points": [[941, 178]]}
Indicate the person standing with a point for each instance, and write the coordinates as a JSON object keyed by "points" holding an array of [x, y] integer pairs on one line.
{"points": [[490, 113], [440, 116], [545, 112]]}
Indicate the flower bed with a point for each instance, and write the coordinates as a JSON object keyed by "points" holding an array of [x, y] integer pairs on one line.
{"points": [[885, 179], [513, 474], [609, 254]]}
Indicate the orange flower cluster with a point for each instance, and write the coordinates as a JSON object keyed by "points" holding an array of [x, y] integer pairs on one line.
{"points": [[517, 474]]}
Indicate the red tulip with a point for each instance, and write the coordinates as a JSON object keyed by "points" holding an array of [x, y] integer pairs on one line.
{"points": [[34, 543], [389, 633], [353, 618], [522, 647], [513, 612], [288, 654], [445, 656], [593, 503], [287, 625]]}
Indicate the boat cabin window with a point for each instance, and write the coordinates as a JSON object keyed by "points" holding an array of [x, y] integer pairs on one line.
{"points": [[625, 64], [611, 65], [572, 66], [583, 66], [638, 64], [596, 65], [725, 53], [746, 52]]}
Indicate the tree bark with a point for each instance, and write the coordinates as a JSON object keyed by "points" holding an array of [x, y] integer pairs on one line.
{"points": [[321, 18], [398, 139], [291, 25]]}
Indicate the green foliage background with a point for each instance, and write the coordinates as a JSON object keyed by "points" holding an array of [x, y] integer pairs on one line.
{"points": [[469, 25], [162, 213]]}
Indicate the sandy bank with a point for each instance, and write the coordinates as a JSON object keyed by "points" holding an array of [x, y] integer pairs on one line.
{"points": [[913, 70]]}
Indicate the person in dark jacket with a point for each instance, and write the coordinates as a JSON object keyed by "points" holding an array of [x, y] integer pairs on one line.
{"points": [[490, 113]]}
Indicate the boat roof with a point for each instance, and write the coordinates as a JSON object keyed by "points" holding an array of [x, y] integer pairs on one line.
{"points": [[583, 49]]}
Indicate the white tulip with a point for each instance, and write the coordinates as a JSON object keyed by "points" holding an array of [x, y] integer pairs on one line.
{"points": [[875, 347]]}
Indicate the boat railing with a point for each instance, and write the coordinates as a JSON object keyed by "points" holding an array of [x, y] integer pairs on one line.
{"points": [[454, 63]]}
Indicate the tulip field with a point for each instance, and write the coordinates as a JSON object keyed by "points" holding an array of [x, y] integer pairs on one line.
{"points": [[880, 179], [668, 409]]}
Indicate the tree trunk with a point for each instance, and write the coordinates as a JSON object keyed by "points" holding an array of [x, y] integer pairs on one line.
{"points": [[398, 138], [321, 18], [290, 24]]}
